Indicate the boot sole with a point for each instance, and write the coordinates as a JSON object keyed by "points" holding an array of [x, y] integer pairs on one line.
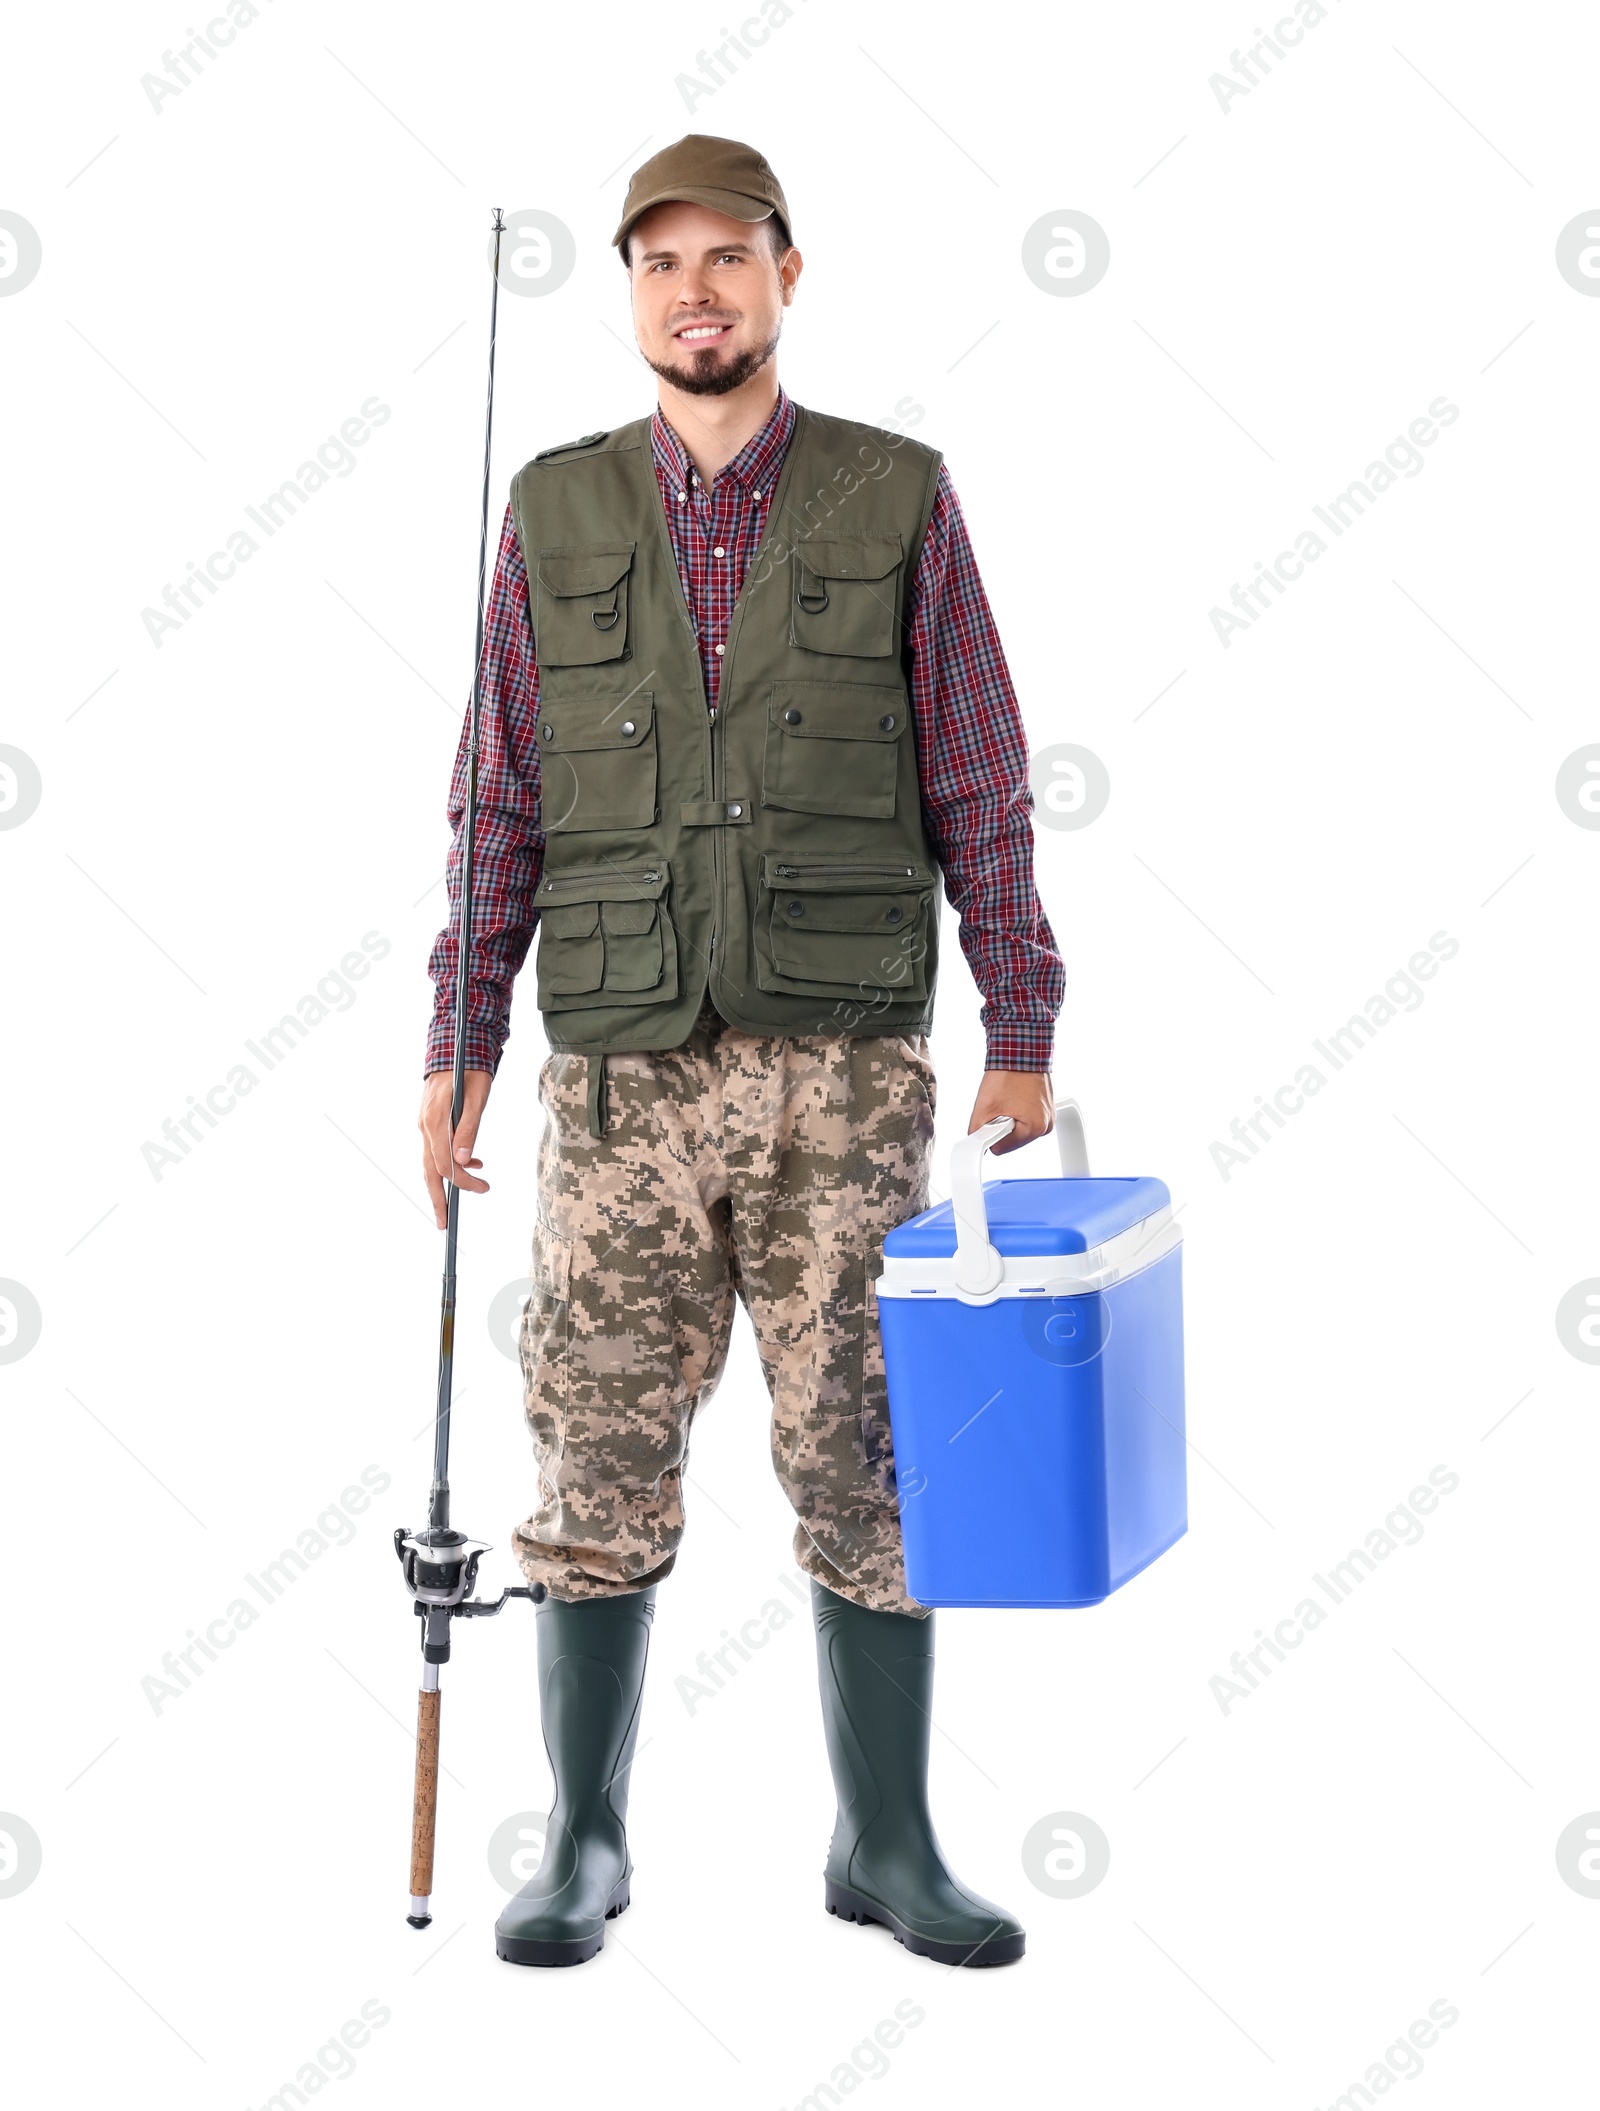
{"points": [[531, 1949], [850, 1905]]}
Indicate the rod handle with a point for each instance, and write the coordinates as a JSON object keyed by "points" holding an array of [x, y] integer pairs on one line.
{"points": [[425, 1806]]}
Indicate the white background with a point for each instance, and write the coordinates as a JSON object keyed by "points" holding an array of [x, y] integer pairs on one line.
{"points": [[1372, 1295]]}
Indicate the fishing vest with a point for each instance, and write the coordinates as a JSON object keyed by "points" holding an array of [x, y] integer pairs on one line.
{"points": [[770, 851]]}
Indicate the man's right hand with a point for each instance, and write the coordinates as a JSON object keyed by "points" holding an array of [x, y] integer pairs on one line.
{"points": [[434, 1122]]}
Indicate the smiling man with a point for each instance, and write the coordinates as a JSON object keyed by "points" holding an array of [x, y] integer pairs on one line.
{"points": [[742, 707]]}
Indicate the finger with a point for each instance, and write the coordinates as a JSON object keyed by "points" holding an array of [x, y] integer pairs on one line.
{"points": [[430, 1174]]}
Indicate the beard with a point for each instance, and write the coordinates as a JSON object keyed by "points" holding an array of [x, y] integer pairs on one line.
{"points": [[706, 376]]}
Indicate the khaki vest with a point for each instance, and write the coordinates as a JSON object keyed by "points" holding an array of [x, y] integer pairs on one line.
{"points": [[771, 851]]}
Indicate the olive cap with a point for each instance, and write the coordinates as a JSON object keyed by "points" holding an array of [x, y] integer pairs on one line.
{"points": [[703, 170]]}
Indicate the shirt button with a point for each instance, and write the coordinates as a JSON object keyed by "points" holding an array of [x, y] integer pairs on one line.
{"points": [[719, 648], [719, 553], [755, 494], [682, 496]]}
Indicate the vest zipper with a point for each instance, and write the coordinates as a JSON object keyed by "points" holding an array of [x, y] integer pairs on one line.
{"points": [[801, 872]]}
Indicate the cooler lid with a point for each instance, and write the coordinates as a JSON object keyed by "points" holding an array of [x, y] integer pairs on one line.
{"points": [[1037, 1217]]}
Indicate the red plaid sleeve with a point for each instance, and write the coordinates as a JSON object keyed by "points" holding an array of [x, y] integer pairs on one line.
{"points": [[508, 855], [972, 755]]}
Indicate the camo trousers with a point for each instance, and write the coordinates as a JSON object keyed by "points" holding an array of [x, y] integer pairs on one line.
{"points": [[758, 1166]]}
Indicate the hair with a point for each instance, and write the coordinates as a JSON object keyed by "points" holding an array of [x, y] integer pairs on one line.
{"points": [[777, 239]]}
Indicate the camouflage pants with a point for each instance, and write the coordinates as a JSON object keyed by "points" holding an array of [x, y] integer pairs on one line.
{"points": [[756, 1166]]}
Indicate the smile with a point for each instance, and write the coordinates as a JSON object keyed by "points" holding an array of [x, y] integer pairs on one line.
{"points": [[703, 333]]}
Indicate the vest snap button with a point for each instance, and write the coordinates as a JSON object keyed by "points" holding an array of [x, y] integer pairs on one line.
{"points": [[797, 908], [627, 726], [547, 731], [735, 810], [894, 915], [887, 722], [791, 718]]}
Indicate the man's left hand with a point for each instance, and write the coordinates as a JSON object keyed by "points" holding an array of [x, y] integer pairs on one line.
{"points": [[1023, 1094]]}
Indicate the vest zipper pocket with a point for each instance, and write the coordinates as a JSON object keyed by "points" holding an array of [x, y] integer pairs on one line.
{"points": [[832, 872], [646, 875]]}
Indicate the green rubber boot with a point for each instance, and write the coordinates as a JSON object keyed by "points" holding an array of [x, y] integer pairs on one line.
{"points": [[885, 1863], [591, 1674]]}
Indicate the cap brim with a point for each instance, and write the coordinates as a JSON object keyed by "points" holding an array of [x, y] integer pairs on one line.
{"points": [[736, 204]]}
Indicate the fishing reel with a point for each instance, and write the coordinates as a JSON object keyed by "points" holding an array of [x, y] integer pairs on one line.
{"points": [[440, 1567]]}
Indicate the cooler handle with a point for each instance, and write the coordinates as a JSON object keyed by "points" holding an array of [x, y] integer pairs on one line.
{"points": [[978, 1265]]}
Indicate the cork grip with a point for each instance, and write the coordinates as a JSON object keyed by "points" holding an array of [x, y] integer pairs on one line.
{"points": [[427, 1794]]}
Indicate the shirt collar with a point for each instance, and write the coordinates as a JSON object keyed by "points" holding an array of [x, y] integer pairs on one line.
{"points": [[757, 463]]}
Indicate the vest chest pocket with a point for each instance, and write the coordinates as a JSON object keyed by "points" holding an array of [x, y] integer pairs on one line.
{"points": [[605, 938], [580, 614], [834, 748], [845, 930], [845, 596], [597, 763]]}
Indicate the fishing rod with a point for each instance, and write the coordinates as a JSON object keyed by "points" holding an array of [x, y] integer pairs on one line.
{"points": [[440, 1564]]}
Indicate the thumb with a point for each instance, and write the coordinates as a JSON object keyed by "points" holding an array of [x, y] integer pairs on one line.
{"points": [[466, 1130]]}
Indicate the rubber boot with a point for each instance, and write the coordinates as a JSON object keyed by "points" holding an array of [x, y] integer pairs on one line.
{"points": [[591, 1673], [885, 1863]]}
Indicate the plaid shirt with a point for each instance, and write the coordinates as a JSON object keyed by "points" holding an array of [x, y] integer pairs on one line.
{"points": [[972, 757]]}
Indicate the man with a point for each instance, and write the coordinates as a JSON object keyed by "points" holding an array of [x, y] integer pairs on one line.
{"points": [[741, 702]]}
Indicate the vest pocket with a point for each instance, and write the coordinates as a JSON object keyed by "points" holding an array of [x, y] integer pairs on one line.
{"points": [[857, 930], [580, 615], [834, 748], [845, 595], [597, 764], [605, 938]]}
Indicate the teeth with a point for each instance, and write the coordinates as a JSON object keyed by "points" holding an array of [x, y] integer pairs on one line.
{"points": [[715, 330]]}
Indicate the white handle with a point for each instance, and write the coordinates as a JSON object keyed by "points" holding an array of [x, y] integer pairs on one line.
{"points": [[979, 1267], [1070, 1142]]}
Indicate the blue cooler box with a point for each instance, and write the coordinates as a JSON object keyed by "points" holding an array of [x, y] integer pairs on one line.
{"points": [[1033, 1340]]}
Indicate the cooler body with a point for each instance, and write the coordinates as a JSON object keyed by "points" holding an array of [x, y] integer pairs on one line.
{"points": [[1039, 1436]]}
